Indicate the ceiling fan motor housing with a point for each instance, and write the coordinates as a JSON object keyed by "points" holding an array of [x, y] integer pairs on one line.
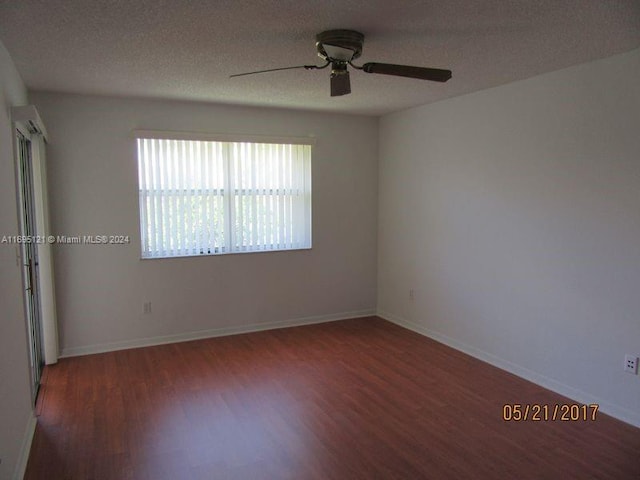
{"points": [[342, 39]]}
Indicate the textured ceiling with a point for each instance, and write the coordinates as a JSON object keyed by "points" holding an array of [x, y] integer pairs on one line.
{"points": [[186, 49]]}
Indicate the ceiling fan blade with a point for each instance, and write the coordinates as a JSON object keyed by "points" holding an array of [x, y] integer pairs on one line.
{"points": [[340, 84], [421, 73], [306, 67]]}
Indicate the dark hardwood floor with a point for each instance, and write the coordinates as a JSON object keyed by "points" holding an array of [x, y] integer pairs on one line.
{"points": [[354, 399]]}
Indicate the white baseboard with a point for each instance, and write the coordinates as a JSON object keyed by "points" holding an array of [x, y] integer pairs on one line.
{"points": [[214, 332], [615, 411], [25, 449]]}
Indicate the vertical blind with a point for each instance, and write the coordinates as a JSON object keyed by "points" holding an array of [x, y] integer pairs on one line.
{"points": [[211, 197]]}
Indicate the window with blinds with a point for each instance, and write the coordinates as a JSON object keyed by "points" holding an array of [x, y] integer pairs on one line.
{"points": [[201, 197]]}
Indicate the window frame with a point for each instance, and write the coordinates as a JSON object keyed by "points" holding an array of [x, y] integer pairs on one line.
{"points": [[229, 191]]}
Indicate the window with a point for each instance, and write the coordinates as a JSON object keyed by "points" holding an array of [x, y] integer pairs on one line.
{"points": [[206, 197]]}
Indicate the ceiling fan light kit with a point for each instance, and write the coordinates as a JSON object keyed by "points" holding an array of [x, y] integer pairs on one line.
{"points": [[340, 47]]}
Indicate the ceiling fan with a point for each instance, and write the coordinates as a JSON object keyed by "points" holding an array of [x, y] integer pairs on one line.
{"points": [[340, 47]]}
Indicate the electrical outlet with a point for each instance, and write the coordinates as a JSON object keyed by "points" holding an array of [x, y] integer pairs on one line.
{"points": [[631, 364], [146, 308]]}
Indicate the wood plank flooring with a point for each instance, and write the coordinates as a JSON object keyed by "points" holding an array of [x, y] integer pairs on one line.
{"points": [[355, 399]]}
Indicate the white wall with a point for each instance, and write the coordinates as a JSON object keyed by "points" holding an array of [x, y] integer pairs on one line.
{"points": [[93, 188], [514, 214], [16, 418]]}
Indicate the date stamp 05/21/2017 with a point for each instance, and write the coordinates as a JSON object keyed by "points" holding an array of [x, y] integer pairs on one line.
{"points": [[561, 412]]}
